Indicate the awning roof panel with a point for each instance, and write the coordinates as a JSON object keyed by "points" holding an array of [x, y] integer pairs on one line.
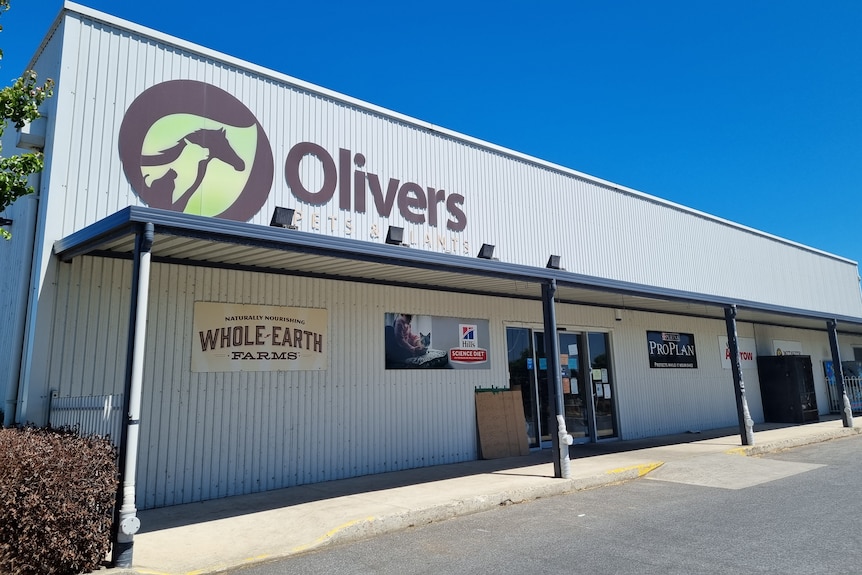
{"points": [[194, 240]]}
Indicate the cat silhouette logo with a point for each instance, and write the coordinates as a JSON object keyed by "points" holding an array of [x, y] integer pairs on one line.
{"points": [[190, 147]]}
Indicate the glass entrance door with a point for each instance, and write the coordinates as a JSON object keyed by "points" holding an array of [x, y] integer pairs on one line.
{"points": [[522, 377], [605, 424], [577, 402], [546, 416], [587, 382]]}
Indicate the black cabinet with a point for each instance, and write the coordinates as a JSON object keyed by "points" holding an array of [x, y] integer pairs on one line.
{"points": [[787, 388]]}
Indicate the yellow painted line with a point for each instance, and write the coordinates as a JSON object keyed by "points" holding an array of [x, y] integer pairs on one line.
{"points": [[642, 469], [737, 451], [256, 558], [198, 571], [329, 534]]}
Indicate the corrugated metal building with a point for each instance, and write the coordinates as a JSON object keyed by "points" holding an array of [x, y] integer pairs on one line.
{"points": [[147, 131]]}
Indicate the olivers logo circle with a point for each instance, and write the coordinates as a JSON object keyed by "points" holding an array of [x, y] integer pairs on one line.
{"points": [[191, 147]]}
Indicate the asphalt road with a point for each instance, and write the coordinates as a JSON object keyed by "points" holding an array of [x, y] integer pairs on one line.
{"points": [[798, 511]]}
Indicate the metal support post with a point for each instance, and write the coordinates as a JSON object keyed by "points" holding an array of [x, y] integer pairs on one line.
{"points": [[126, 522], [746, 424], [561, 439], [846, 410]]}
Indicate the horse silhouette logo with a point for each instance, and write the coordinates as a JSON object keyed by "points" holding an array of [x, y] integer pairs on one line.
{"points": [[190, 147], [167, 173]]}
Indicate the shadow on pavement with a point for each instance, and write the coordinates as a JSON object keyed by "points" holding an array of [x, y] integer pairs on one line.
{"points": [[212, 510]]}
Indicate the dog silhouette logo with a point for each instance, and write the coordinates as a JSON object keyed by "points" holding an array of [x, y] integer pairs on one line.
{"points": [[190, 147]]}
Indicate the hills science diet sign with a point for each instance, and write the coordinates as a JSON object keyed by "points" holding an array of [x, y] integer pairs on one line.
{"points": [[240, 337]]}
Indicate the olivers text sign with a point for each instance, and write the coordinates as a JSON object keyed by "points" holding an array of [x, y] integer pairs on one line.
{"points": [[191, 147], [671, 350]]}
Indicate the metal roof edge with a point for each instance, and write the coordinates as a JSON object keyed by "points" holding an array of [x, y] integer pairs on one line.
{"points": [[166, 221], [73, 7], [643, 290], [89, 237]]}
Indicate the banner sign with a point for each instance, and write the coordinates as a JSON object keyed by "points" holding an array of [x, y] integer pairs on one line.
{"points": [[241, 337], [782, 347], [747, 352], [671, 350], [431, 342]]}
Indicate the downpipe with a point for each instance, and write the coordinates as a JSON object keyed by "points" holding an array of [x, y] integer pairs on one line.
{"points": [[27, 234], [127, 519], [847, 412], [565, 441]]}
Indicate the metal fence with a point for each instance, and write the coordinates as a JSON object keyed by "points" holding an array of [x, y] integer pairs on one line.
{"points": [[90, 415], [853, 388]]}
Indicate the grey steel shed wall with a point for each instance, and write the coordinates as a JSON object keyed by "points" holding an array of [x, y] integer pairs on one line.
{"points": [[20, 255], [813, 344], [218, 434], [212, 435], [15, 259], [528, 208], [208, 435], [664, 401]]}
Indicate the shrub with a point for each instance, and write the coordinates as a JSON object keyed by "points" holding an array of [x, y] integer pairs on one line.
{"points": [[57, 492]]}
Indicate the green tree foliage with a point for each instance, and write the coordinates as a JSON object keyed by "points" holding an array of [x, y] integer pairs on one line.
{"points": [[19, 104]]}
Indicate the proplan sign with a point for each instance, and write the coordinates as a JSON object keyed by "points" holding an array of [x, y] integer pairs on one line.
{"points": [[671, 350], [190, 147]]}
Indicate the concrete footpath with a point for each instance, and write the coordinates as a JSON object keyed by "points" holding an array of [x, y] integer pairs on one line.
{"points": [[213, 536]]}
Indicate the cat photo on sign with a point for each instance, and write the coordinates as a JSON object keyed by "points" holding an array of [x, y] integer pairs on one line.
{"points": [[408, 343]]}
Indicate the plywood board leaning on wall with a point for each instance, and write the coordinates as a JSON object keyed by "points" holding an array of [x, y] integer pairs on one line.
{"points": [[500, 424]]}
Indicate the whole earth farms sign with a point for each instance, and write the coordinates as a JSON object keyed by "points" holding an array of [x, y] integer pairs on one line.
{"points": [[241, 337]]}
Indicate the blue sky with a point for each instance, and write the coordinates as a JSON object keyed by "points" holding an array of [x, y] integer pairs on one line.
{"points": [[748, 110]]}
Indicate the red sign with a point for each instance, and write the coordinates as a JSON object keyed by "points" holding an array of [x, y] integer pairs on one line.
{"points": [[463, 355]]}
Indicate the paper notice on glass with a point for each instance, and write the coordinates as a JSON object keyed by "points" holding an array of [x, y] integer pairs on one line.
{"points": [[604, 376], [573, 349], [599, 391], [607, 387], [597, 374]]}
